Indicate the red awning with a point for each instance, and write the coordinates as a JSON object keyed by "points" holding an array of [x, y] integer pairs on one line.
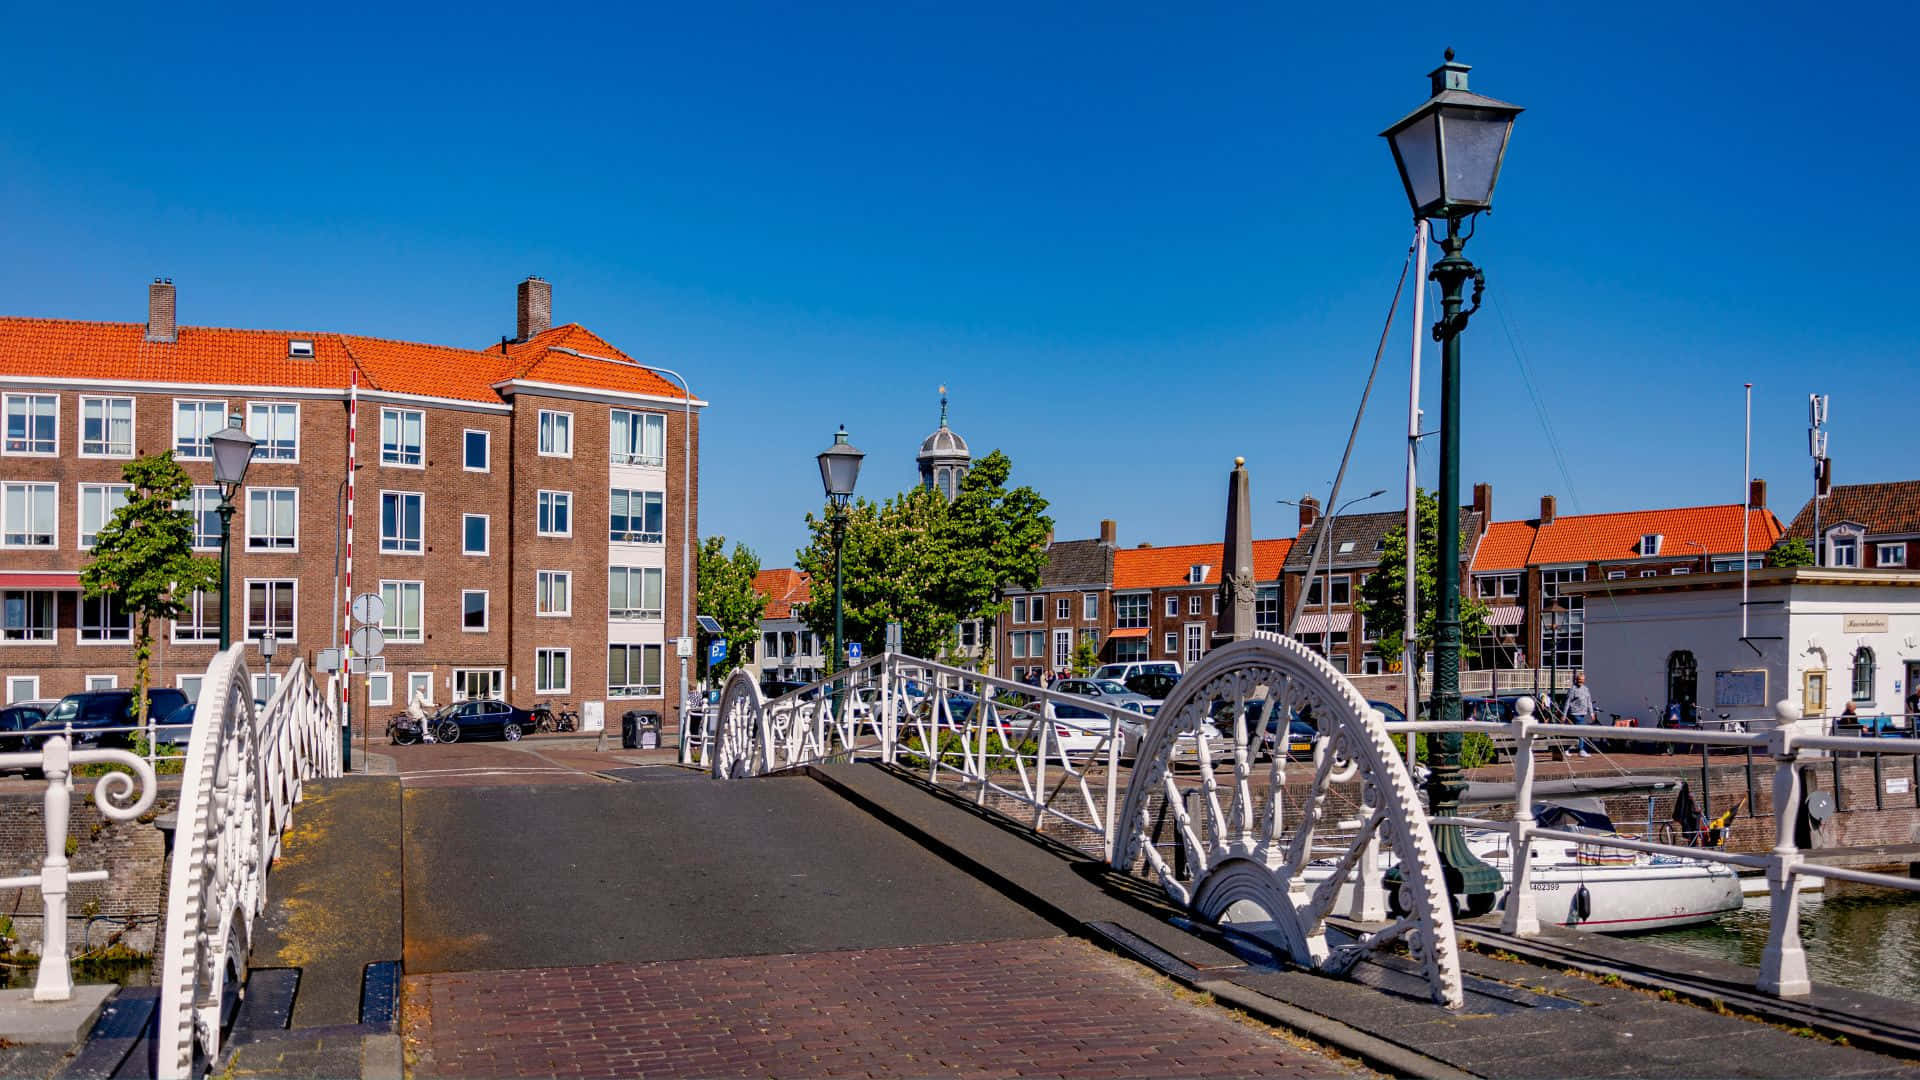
{"points": [[1506, 616], [1130, 632], [40, 579]]}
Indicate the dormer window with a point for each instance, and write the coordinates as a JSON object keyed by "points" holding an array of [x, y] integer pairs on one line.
{"points": [[1346, 546], [1650, 544], [300, 349], [1197, 574], [1843, 550]]}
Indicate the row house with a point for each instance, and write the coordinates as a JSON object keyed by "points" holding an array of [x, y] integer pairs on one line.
{"points": [[1042, 627], [522, 509], [789, 651], [1166, 600], [1521, 566], [1865, 526]]}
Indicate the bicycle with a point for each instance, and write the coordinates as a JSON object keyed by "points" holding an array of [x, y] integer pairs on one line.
{"points": [[546, 719]]}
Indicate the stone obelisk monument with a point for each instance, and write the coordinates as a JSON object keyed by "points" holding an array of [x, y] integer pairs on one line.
{"points": [[1236, 564]]}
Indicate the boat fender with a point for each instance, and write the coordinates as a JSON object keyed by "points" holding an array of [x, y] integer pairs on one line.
{"points": [[1582, 905]]}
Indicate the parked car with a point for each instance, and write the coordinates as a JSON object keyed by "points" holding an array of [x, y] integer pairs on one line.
{"points": [[92, 710], [17, 718], [1123, 671], [482, 718], [1080, 730], [1155, 685], [177, 725], [1109, 692]]}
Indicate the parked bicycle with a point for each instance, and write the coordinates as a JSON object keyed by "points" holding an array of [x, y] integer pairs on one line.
{"points": [[547, 718]]}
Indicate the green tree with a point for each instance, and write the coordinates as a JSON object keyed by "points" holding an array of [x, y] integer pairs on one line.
{"points": [[727, 596], [1382, 600], [1790, 551], [143, 560], [925, 563], [1086, 656]]}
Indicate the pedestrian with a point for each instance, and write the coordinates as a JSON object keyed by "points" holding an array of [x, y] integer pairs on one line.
{"points": [[1913, 704], [1580, 707]]}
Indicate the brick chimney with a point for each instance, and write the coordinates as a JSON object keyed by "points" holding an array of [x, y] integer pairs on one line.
{"points": [[1309, 512], [1109, 532], [160, 320], [1547, 506], [1483, 504], [1757, 494], [535, 308]]}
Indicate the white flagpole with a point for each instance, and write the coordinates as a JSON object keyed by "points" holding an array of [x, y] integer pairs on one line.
{"points": [[1410, 664], [1746, 519]]}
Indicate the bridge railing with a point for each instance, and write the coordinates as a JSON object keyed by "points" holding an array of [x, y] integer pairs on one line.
{"points": [[1791, 743], [245, 769]]}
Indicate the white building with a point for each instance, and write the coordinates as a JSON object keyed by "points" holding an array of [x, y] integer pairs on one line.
{"points": [[1817, 637]]}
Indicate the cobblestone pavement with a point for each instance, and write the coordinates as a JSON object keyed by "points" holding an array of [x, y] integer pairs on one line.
{"points": [[1052, 1007]]}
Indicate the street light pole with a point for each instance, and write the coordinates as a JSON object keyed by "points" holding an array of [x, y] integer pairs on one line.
{"points": [[225, 510], [232, 453], [839, 471]]}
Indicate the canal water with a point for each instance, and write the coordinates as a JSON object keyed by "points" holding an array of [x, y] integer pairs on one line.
{"points": [[1856, 936]]}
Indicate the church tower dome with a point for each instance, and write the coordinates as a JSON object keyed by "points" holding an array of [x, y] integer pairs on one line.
{"points": [[944, 458]]}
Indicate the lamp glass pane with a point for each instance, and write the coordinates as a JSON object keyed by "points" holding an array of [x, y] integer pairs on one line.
{"points": [[838, 472], [1418, 147], [1474, 140], [232, 449]]}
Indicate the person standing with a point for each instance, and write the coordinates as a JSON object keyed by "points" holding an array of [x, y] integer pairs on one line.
{"points": [[1580, 707]]}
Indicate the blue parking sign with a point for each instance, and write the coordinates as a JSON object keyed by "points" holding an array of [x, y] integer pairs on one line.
{"points": [[716, 652]]}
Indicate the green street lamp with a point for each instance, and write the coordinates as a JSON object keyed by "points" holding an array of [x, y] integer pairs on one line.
{"points": [[1449, 152], [232, 451], [839, 471]]}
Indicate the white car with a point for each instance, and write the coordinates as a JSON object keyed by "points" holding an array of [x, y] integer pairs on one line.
{"points": [[1122, 672]]}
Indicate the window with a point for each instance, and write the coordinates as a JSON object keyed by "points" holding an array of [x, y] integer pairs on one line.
{"points": [[193, 420], [403, 438], [556, 433], [106, 427], [473, 610], [969, 632], [1563, 620], [1728, 565], [300, 348], [400, 525], [204, 505], [103, 619], [421, 683], [97, 504], [1197, 575], [1681, 570], [1844, 549], [1090, 607], [272, 519], [1171, 644], [639, 517], [22, 688], [26, 615], [1018, 646], [102, 682], [556, 513], [190, 686], [1372, 665], [1130, 610], [1129, 649], [1019, 609], [1649, 573], [554, 592], [1062, 648], [1193, 603], [402, 600], [473, 534], [1216, 603], [1863, 675], [380, 688], [199, 619], [1890, 555], [1173, 607], [1367, 633], [1491, 585], [639, 438], [1089, 636], [275, 427], [475, 448], [1196, 642], [1650, 544], [1341, 590], [1616, 575], [1346, 547], [27, 515], [33, 423], [551, 674], [271, 609], [633, 670], [1266, 608], [634, 592], [478, 683], [1063, 609], [265, 685]]}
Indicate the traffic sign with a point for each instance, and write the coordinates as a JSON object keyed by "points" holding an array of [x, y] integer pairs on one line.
{"points": [[370, 609], [367, 641], [716, 653], [853, 652]]}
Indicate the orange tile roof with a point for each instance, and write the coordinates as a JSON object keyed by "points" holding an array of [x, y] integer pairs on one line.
{"points": [[784, 588], [1604, 537], [1505, 546], [1161, 567], [119, 352]]}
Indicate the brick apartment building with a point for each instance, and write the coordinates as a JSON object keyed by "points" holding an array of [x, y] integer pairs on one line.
{"points": [[1868, 526], [1042, 628], [484, 477]]}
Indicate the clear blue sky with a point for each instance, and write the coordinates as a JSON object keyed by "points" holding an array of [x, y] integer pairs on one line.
{"points": [[1135, 244]]}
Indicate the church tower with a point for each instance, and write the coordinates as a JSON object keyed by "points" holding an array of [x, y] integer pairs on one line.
{"points": [[944, 457]]}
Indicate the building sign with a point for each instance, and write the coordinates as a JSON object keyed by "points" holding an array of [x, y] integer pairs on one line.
{"points": [[1863, 624], [1744, 687]]}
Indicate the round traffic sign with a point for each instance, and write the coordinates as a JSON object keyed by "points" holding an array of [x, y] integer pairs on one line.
{"points": [[367, 641], [370, 609]]}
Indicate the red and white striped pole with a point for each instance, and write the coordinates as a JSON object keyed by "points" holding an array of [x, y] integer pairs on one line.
{"points": [[346, 648]]}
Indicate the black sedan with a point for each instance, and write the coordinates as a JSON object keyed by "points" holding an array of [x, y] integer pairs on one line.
{"points": [[17, 718], [466, 720]]}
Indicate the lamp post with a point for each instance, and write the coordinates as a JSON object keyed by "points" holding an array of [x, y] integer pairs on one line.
{"points": [[839, 471], [232, 452], [269, 644], [1449, 152]]}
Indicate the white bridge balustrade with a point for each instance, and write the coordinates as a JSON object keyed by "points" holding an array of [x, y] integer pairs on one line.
{"points": [[245, 767]]}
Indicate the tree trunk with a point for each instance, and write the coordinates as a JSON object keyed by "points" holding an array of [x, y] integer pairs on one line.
{"points": [[143, 674]]}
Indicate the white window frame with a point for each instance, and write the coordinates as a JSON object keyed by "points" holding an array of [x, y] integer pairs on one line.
{"points": [[1852, 542], [415, 679], [1193, 603], [641, 689], [496, 678], [202, 622], [273, 411], [15, 681], [203, 505], [1090, 607], [546, 499], [543, 673], [486, 450], [1197, 574], [1650, 544], [632, 535], [1063, 609], [190, 685], [379, 688], [486, 534], [1171, 644], [1882, 551], [396, 544], [637, 421], [636, 590], [396, 633], [104, 493], [1196, 642], [7, 529], [1678, 570], [101, 682], [106, 402], [543, 581], [28, 401], [397, 457], [252, 519], [41, 634], [1062, 649], [1019, 610], [1132, 610], [486, 611], [556, 426], [250, 632], [1173, 607], [196, 447], [102, 631], [1616, 575]]}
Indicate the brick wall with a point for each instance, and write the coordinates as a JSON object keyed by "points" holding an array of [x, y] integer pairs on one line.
{"points": [[128, 906]]}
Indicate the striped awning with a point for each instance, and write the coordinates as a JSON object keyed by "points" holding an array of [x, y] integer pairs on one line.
{"points": [[1506, 615], [1318, 622]]}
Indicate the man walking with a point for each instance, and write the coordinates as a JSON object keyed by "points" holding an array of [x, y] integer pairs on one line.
{"points": [[1580, 707]]}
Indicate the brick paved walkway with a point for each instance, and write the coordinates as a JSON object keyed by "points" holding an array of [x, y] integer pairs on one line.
{"points": [[1053, 1007]]}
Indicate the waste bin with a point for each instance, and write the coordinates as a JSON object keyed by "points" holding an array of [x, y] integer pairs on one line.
{"points": [[640, 730]]}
